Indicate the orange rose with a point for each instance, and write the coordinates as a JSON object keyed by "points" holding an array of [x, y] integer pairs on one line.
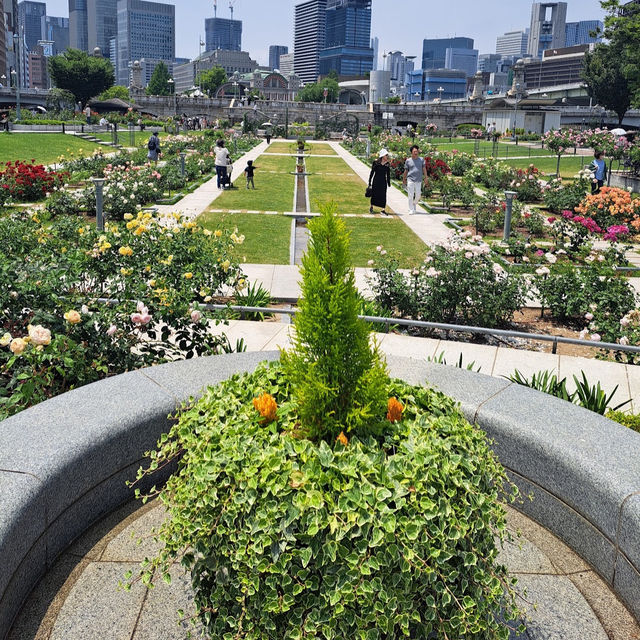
{"points": [[394, 410], [342, 439], [266, 406]]}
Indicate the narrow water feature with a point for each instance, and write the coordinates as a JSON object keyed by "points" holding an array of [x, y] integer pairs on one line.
{"points": [[299, 231]]}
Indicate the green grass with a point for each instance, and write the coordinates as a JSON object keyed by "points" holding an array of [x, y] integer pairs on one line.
{"points": [[267, 237], [391, 233], [569, 165], [44, 148], [140, 137], [321, 149], [274, 187], [333, 180]]}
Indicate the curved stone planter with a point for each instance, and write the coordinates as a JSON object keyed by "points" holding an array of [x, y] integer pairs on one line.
{"points": [[64, 463]]}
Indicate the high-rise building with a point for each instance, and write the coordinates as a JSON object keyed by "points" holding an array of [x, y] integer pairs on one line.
{"points": [[513, 43], [375, 45], [9, 27], [434, 51], [102, 24], [222, 33], [347, 47], [146, 30], [56, 30], [488, 62], [78, 25], [399, 65], [462, 60], [286, 64], [581, 32], [275, 51], [30, 16], [309, 37], [3, 46], [548, 27]]}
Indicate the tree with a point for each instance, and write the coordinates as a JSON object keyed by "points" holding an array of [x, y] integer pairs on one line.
{"points": [[83, 75], [605, 79], [117, 91], [60, 99], [315, 92], [159, 83], [211, 80]]}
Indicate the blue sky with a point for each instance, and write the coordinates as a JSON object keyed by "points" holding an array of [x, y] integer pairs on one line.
{"points": [[400, 24]]}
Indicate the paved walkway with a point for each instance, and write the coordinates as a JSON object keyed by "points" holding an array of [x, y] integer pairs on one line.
{"points": [[79, 598]]}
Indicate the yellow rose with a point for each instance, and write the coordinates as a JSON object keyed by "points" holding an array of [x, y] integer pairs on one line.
{"points": [[217, 233], [140, 230], [125, 251], [18, 345], [148, 268], [131, 224], [225, 265], [188, 275], [207, 232], [72, 317], [128, 216], [152, 283], [5, 340], [63, 250], [81, 230], [126, 272]]}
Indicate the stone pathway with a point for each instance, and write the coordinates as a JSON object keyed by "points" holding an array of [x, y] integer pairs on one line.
{"points": [[79, 599]]}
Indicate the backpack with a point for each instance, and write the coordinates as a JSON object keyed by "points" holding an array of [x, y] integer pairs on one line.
{"points": [[151, 145]]}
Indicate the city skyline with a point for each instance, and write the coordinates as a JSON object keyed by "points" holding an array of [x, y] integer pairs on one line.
{"points": [[265, 24]]}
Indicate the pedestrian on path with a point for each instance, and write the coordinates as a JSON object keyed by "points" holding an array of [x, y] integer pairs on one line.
{"points": [[248, 172], [222, 160], [599, 168], [153, 147], [379, 180], [414, 172]]}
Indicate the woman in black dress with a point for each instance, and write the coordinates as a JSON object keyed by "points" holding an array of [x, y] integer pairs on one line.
{"points": [[379, 180]]}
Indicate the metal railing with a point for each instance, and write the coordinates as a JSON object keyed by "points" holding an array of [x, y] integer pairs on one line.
{"points": [[456, 328]]}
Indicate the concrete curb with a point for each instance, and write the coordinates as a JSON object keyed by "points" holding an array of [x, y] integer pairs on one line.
{"points": [[64, 463]]}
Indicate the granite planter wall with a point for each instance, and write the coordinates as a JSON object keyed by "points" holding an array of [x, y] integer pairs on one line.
{"points": [[64, 463]]}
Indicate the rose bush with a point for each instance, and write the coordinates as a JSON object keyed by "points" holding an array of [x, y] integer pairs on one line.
{"points": [[27, 182]]}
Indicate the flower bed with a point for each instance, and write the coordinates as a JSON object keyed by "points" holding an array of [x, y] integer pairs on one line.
{"points": [[24, 182], [57, 335]]}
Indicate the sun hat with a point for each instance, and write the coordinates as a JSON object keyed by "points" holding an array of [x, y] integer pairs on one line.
{"points": [[383, 153]]}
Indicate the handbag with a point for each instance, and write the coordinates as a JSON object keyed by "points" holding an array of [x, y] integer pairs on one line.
{"points": [[368, 192]]}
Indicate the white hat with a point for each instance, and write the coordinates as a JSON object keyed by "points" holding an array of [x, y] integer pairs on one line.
{"points": [[382, 153]]}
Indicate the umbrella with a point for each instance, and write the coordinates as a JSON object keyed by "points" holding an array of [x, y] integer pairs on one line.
{"points": [[618, 132], [266, 124]]}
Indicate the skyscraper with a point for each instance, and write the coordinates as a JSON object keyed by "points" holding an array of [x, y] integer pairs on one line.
{"points": [[275, 51], [580, 32], [347, 48], [57, 31], [513, 43], [309, 37], [78, 29], [30, 16], [222, 33], [462, 60], [399, 65], [146, 30], [434, 51], [375, 45], [548, 27], [102, 24]]}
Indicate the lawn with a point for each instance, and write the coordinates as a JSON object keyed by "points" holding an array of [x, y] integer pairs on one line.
{"points": [[44, 148], [332, 179], [391, 233], [321, 149], [569, 165], [273, 192], [267, 237], [140, 137]]}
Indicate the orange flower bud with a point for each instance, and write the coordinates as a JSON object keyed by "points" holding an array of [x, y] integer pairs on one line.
{"points": [[342, 439], [266, 406], [394, 410]]}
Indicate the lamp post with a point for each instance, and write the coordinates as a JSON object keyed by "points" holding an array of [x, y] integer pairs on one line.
{"points": [[99, 182], [325, 93], [16, 43], [515, 113], [172, 91], [440, 92]]}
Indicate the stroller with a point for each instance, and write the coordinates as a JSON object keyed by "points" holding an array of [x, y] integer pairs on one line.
{"points": [[228, 184]]}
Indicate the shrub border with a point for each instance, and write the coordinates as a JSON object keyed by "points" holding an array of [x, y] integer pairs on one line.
{"points": [[64, 463]]}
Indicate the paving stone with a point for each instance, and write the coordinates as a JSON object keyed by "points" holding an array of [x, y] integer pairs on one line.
{"points": [[159, 617], [522, 556], [560, 613], [526, 362], [481, 356], [96, 608], [396, 345], [137, 541]]}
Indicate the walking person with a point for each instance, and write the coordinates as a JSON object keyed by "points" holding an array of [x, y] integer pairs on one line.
{"points": [[414, 172], [599, 168], [248, 172], [153, 148], [379, 181], [222, 159]]}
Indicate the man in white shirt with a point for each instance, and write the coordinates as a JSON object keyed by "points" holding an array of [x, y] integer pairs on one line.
{"points": [[414, 172]]}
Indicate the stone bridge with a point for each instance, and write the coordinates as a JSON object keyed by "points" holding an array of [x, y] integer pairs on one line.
{"points": [[29, 98]]}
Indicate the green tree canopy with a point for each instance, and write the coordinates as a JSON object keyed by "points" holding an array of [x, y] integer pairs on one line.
{"points": [[605, 79], [83, 75], [159, 83], [211, 80], [315, 92], [117, 91]]}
